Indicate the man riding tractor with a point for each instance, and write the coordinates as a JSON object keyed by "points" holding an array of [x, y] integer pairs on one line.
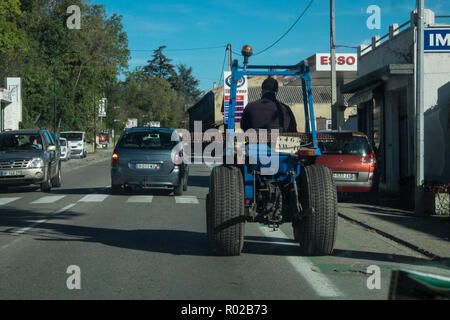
{"points": [[268, 112]]}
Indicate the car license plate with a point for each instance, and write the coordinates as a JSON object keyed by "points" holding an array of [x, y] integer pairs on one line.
{"points": [[11, 173], [344, 176], [152, 166]]}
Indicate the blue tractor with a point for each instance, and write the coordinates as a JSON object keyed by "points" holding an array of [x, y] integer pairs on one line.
{"points": [[299, 192]]}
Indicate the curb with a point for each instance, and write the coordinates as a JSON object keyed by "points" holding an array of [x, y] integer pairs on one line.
{"points": [[430, 255]]}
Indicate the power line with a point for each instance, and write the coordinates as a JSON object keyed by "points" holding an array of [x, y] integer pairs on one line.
{"points": [[345, 46], [237, 53], [184, 49], [279, 39], [223, 67]]}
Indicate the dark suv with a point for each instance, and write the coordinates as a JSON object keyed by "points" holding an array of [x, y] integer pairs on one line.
{"points": [[29, 157], [149, 157]]}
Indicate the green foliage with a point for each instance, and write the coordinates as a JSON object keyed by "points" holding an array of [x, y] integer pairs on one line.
{"points": [[160, 65], [75, 68], [149, 98]]}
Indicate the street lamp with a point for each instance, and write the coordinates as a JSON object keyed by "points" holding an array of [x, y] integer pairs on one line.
{"points": [[54, 83]]}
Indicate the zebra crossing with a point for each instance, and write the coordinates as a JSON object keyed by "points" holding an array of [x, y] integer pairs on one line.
{"points": [[99, 198]]}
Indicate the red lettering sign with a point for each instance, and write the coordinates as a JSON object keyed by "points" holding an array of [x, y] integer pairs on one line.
{"points": [[351, 60], [323, 60]]}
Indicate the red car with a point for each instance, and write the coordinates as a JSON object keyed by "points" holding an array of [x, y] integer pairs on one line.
{"points": [[351, 158]]}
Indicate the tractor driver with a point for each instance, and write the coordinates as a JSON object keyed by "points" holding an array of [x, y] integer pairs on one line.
{"points": [[268, 112]]}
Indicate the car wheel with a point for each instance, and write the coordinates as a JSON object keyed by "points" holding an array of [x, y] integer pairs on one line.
{"points": [[57, 181], [115, 189], [185, 183], [47, 185], [178, 190]]}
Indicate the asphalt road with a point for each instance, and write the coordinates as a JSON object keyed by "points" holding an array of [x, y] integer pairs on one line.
{"points": [[151, 245]]}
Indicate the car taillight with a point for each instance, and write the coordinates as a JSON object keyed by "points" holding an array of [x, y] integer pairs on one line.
{"points": [[177, 158], [115, 159], [373, 160]]}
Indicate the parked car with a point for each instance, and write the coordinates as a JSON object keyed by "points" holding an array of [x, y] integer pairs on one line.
{"points": [[147, 157], [29, 157], [352, 160], [65, 153], [77, 142]]}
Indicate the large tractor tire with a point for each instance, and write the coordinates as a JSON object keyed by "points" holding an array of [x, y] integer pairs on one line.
{"points": [[225, 211], [316, 232]]}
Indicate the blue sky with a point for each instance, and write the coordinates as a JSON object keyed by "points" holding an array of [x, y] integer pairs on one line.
{"points": [[198, 23]]}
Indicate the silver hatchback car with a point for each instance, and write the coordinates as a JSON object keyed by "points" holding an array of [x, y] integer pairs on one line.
{"points": [[147, 157]]}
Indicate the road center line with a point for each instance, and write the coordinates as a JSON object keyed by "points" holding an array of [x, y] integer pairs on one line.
{"points": [[318, 281]]}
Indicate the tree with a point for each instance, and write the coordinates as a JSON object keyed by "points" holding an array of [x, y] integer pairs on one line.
{"points": [[150, 98], [186, 83], [160, 65], [102, 53], [13, 40]]}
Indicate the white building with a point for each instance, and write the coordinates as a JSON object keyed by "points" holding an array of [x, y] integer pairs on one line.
{"points": [[11, 109], [385, 92]]}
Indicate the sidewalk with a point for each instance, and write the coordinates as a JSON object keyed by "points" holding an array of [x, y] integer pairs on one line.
{"points": [[428, 234]]}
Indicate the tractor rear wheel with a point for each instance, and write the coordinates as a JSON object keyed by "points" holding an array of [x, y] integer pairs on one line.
{"points": [[225, 211], [317, 231]]}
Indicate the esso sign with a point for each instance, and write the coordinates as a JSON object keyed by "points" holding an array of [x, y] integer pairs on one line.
{"points": [[344, 62], [241, 82]]}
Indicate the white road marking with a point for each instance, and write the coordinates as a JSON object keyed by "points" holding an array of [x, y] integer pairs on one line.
{"points": [[140, 199], [23, 230], [94, 198], [318, 281], [4, 201], [48, 199], [187, 200]]}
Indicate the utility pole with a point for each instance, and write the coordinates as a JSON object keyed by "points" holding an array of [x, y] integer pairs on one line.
{"points": [[230, 57], [334, 111], [95, 125], [419, 192], [54, 98]]}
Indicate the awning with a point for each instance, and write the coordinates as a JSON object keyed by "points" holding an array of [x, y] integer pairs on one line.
{"points": [[379, 75], [363, 95]]}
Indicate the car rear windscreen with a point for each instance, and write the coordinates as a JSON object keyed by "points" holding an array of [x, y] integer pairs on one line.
{"points": [[72, 136], [357, 146], [147, 140]]}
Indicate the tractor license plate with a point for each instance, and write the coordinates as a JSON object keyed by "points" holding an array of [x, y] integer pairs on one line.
{"points": [[151, 166], [12, 173], [288, 144], [344, 176]]}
